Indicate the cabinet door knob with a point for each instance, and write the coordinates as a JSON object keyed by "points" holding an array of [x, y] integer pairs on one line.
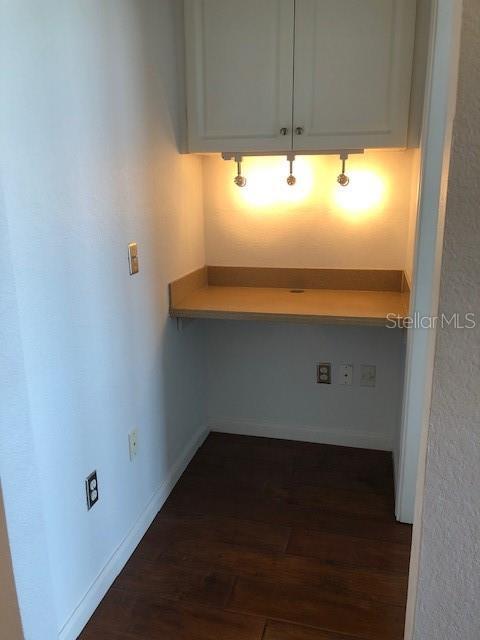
{"points": [[283, 131], [299, 131]]}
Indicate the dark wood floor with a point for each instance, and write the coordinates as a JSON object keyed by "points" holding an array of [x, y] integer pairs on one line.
{"points": [[267, 540]]}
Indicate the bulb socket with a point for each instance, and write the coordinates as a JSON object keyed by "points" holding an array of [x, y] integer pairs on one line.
{"points": [[343, 180], [291, 180]]}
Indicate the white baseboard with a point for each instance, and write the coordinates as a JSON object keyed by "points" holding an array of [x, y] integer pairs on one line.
{"points": [[86, 607], [340, 437]]}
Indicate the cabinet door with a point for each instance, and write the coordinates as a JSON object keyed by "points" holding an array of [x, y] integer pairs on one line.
{"points": [[239, 59], [353, 64]]}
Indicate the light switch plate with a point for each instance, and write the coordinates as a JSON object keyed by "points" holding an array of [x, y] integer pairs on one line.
{"points": [[346, 374], [133, 258], [133, 444]]}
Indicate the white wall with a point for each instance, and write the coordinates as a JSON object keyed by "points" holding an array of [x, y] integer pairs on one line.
{"points": [[89, 162], [423, 29], [18, 465], [449, 559], [435, 156], [315, 224], [262, 381], [423, 23], [412, 218]]}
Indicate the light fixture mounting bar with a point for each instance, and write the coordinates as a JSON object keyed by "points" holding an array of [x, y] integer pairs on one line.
{"points": [[234, 155]]}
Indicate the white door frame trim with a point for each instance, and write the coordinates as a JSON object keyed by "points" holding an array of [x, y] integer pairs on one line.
{"points": [[436, 143]]}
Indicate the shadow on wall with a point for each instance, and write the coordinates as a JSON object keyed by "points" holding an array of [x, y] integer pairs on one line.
{"points": [[161, 77]]}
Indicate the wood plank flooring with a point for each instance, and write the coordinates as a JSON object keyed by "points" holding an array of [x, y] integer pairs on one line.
{"points": [[267, 540]]}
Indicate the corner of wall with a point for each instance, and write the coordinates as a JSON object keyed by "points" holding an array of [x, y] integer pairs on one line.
{"points": [[106, 576]]}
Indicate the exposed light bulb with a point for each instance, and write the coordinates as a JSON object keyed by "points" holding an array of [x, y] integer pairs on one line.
{"points": [[343, 180], [240, 181]]}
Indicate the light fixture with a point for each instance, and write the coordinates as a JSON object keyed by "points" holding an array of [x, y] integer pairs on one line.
{"points": [[291, 180], [343, 180], [239, 180], [255, 187]]}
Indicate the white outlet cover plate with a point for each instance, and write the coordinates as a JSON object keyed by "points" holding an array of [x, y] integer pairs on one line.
{"points": [[133, 444], [346, 374]]}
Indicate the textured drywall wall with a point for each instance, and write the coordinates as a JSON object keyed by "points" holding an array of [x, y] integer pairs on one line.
{"points": [[449, 571], [315, 224], [89, 161], [262, 381]]}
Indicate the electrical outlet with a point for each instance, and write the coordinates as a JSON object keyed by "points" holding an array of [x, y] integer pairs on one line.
{"points": [[368, 375], [91, 486], [346, 374], [133, 443], [324, 373]]}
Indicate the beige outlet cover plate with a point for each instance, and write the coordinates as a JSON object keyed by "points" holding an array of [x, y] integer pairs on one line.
{"points": [[133, 258], [368, 375]]}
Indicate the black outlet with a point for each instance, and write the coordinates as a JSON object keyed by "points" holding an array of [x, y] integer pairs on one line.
{"points": [[91, 486]]}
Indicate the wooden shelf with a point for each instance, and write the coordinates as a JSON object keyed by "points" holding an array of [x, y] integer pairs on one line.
{"points": [[360, 297]]}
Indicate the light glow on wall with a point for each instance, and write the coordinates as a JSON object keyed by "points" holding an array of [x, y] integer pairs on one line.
{"points": [[316, 186], [267, 182], [366, 192]]}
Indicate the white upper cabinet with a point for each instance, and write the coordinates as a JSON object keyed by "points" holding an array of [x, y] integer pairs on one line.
{"points": [[353, 67], [239, 59], [312, 75]]}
